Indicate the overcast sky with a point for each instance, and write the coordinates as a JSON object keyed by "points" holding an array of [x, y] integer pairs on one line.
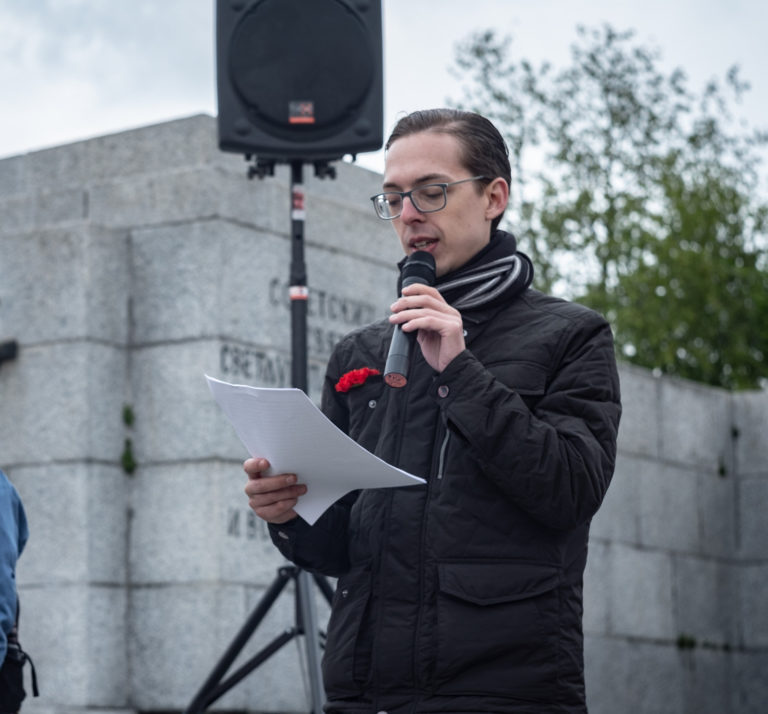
{"points": [[73, 69]]}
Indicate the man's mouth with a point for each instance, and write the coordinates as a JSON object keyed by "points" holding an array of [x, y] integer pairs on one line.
{"points": [[423, 243]]}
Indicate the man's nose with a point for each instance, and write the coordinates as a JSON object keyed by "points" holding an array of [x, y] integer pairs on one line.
{"points": [[409, 212]]}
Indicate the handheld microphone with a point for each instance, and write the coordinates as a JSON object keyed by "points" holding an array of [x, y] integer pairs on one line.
{"points": [[418, 268]]}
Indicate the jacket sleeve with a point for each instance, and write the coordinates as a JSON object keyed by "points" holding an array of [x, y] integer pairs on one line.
{"points": [[322, 547], [555, 461], [13, 536]]}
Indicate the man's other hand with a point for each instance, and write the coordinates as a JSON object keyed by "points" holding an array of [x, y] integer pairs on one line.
{"points": [[271, 497]]}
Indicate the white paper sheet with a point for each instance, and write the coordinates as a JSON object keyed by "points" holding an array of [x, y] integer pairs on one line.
{"points": [[285, 427]]}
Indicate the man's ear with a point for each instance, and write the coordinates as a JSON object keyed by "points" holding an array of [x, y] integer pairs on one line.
{"points": [[497, 193]]}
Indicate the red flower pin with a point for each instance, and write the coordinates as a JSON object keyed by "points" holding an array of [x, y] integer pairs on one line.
{"points": [[354, 378]]}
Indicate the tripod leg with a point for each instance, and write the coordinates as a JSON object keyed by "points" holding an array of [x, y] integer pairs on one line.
{"points": [[308, 613], [202, 698], [255, 662]]}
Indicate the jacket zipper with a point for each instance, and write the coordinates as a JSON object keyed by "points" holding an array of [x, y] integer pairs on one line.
{"points": [[418, 680], [443, 450]]}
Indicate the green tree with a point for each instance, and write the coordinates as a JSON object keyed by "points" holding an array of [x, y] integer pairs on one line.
{"points": [[636, 196]]}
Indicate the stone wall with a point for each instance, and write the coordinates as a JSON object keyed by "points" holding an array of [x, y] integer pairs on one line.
{"points": [[133, 264], [675, 616]]}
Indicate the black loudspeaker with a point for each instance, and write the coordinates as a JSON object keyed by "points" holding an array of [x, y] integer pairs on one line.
{"points": [[299, 79]]}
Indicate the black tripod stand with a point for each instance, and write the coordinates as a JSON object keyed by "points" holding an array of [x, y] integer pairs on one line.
{"points": [[216, 686], [305, 617]]}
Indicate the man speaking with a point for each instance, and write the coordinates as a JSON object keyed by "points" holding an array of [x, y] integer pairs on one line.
{"points": [[463, 595]]}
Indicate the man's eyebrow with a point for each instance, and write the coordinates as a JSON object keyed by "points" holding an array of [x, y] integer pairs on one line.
{"points": [[420, 181]]}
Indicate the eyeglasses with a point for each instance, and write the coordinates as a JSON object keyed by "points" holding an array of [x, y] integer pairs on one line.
{"points": [[429, 198]]}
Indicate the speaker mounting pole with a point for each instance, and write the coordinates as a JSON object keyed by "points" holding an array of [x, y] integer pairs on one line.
{"points": [[305, 608]]}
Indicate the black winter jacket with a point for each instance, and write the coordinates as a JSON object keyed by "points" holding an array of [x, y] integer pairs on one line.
{"points": [[465, 595]]}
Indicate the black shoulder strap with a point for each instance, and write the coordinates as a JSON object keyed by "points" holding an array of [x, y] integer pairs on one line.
{"points": [[15, 651]]}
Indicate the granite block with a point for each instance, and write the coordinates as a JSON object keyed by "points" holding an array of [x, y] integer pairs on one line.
{"points": [[176, 417], [65, 283], [59, 166], [190, 524], [696, 426], [156, 149], [753, 611], [76, 635], [78, 518], [619, 516], [668, 505], [718, 505], [753, 526], [750, 688], [641, 600], [597, 589], [67, 402], [13, 176], [178, 278], [180, 196], [115, 157], [263, 205], [706, 601], [640, 421], [706, 681], [645, 677], [17, 212], [208, 279], [60, 206], [750, 421]]}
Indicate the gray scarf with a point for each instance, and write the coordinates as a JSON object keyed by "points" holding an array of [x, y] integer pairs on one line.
{"points": [[497, 274]]}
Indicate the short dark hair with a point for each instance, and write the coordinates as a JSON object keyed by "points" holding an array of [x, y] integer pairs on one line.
{"points": [[484, 152]]}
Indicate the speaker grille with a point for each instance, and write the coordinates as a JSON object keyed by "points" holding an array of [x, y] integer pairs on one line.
{"points": [[301, 63]]}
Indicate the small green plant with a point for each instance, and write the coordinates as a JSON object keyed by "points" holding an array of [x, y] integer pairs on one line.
{"points": [[127, 460]]}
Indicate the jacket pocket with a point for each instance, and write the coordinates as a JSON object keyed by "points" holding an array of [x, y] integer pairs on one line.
{"points": [[528, 379], [497, 628], [524, 377], [348, 646]]}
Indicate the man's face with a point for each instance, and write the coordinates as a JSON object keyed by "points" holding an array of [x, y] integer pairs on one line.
{"points": [[463, 227]]}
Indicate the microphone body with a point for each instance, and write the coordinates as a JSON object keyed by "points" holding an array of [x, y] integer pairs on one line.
{"points": [[418, 268]]}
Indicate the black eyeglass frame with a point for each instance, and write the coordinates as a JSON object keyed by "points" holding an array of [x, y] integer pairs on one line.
{"points": [[408, 194]]}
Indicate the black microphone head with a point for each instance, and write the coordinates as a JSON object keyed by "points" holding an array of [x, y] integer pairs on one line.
{"points": [[419, 268]]}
